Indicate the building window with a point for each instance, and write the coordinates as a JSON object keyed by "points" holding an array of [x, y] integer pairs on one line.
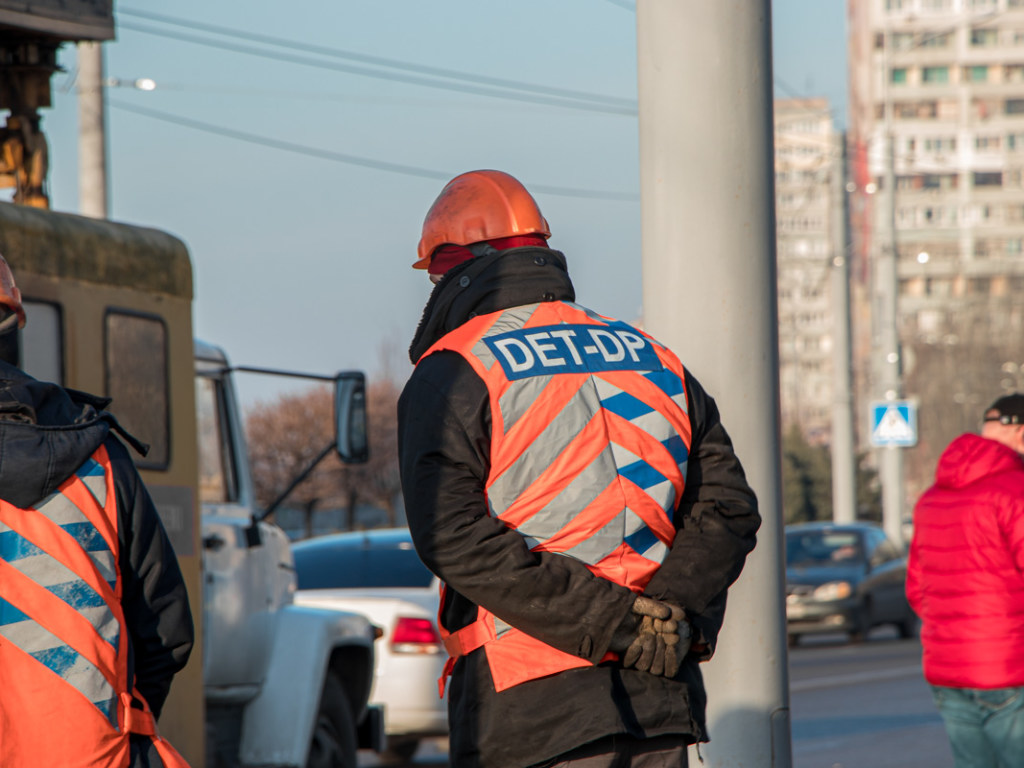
{"points": [[936, 40], [1013, 73], [898, 76], [937, 5], [893, 6], [977, 74], [984, 38], [987, 143], [901, 41], [988, 178], [940, 144], [935, 74], [1014, 106]]}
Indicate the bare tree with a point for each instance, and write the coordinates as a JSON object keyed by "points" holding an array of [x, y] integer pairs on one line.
{"points": [[287, 433]]}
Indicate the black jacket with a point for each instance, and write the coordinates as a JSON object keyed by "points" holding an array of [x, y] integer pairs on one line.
{"points": [[444, 447], [46, 434]]}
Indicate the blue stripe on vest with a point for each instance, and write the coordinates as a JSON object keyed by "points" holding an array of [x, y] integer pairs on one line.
{"points": [[642, 540], [626, 406], [666, 381], [569, 348], [676, 446], [90, 468], [78, 595], [14, 546], [642, 474], [9, 614], [87, 536]]}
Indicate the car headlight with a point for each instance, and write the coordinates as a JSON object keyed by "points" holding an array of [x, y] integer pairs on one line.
{"points": [[833, 590]]}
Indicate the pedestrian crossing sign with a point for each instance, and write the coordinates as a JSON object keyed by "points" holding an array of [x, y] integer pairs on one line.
{"points": [[893, 423]]}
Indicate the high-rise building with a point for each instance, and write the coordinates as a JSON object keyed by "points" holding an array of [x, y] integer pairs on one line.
{"points": [[805, 159], [937, 106]]}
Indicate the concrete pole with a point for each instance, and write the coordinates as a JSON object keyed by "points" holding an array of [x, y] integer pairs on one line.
{"points": [[889, 363], [844, 457], [709, 291], [92, 141]]}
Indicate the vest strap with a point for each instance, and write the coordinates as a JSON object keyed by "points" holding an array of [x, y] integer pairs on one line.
{"points": [[469, 638]]}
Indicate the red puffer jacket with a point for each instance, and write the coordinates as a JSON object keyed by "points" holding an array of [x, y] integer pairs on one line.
{"points": [[965, 575]]}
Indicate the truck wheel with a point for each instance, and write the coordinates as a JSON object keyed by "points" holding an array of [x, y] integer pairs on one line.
{"points": [[334, 734]]}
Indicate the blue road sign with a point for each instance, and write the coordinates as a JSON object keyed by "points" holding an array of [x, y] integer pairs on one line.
{"points": [[893, 423]]}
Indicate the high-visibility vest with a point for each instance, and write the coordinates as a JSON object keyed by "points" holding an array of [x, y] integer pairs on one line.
{"points": [[589, 444], [66, 698]]}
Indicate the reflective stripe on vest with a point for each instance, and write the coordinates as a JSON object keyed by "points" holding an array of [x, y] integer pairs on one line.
{"points": [[590, 439], [63, 643]]}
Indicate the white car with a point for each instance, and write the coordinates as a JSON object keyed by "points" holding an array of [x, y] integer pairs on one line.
{"points": [[377, 573]]}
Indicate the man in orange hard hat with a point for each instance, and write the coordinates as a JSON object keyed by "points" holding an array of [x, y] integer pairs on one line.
{"points": [[94, 616], [573, 487]]}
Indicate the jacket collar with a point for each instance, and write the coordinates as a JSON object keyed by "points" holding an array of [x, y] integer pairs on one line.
{"points": [[490, 283]]}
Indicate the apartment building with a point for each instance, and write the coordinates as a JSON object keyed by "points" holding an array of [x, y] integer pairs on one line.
{"points": [[943, 81], [805, 159]]}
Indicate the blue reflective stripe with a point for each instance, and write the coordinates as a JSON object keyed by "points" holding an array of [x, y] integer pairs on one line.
{"points": [[642, 540], [642, 474], [666, 381], [627, 406], [676, 446], [14, 546], [78, 595], [88, 536], [90, 468], [9, 614]]}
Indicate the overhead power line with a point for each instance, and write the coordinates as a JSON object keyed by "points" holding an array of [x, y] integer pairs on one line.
{"points": [[506, 88], [341, 157]]}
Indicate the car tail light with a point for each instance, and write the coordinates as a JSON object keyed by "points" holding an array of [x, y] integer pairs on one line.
{"points": [[415, 635]]}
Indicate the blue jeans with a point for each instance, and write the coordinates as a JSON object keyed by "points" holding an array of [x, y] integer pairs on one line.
{"points": [[985, 725]]}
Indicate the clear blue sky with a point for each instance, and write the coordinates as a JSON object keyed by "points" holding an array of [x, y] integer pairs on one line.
{"points": [[304, 262]]}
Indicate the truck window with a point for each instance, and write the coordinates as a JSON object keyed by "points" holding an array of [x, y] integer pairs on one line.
{"points": [[37, 347], [217, 480], [136, 375]]}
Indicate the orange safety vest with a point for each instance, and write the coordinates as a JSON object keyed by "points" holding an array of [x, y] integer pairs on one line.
{"points": [[589, 444], [66, 698]]}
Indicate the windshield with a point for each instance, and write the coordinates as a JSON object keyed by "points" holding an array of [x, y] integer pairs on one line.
{"points": [[823, 548]]}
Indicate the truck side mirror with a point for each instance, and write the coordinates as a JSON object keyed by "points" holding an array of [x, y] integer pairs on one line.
{"points": [[350, 439]]}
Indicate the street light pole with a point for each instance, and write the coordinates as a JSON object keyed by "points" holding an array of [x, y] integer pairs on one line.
{"points": [[92, 140]]}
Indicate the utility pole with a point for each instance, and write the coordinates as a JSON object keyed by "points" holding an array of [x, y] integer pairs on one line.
{"points": [[844, 461], [92, 134], [709, 292]]}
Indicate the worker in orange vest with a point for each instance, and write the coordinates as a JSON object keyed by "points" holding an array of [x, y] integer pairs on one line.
{"points": [[573, 487], [94, 616]]}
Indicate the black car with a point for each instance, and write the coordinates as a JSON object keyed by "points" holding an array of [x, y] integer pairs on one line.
{"points": [[844, 578]]}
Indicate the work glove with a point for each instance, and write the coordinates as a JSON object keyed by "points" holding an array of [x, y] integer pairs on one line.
{"points": [[662, 638]]}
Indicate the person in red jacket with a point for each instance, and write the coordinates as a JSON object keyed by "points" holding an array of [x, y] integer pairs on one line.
{"points": [[572, 485], [965, 580]]}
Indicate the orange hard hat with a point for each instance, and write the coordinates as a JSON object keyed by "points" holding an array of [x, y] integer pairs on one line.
{"points": [[477, 206], [10, 296]]}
